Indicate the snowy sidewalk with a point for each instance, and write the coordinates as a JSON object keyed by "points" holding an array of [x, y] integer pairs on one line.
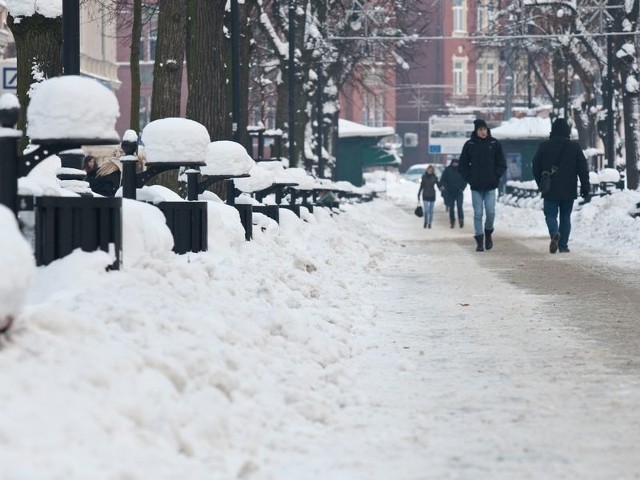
{"points": [[466, 376]]}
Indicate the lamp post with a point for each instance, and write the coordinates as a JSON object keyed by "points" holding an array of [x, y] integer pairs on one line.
{"points": [[71, 37], [292, 83], [610, 144], [235, 63], [319, 115]]}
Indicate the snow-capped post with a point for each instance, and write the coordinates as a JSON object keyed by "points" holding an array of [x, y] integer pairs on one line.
{"points": [[129, 162], [64, 113], [9, 136], [192, 174], [71, 37]]}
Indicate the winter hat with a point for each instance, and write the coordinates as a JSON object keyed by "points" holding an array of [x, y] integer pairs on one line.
{"points": [[560, 128], [479, 123]]}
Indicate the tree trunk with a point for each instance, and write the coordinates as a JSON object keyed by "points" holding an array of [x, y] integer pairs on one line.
{"points": [[39, 55], [631, 99], [167, 73], [134, 65], [245, 58], [207, 102]]}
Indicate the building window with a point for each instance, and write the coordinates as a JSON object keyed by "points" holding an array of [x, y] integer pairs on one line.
{"points": [[153, 40], [145, 111], [491, 78], [458, 77], [482, 18], [459, 24], [481, 88], [373, 110]]}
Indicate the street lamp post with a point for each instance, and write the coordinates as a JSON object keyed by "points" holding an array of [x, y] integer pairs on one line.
{"points": [[319, 115], [610, 145], [235, 64], [292, 83], [71, 37]]}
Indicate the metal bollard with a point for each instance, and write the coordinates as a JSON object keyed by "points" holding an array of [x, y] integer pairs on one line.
{"points": [[9, 156]]}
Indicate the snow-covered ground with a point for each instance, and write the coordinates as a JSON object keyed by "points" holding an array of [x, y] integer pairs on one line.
{"points": [[300, 355]]}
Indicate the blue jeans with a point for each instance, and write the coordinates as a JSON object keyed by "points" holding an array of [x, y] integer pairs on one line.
{"points": [[428, 211], [455, 199], [551, 209], [483, 202]]}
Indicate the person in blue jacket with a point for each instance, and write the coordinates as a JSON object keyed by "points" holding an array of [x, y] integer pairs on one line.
{"points": [[482, 163]]}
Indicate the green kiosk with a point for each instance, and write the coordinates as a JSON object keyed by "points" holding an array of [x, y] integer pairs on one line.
{"points": [[520, 138], [358, 149]]}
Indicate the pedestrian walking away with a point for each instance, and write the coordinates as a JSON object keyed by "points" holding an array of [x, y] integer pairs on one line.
{"points": [[453, 186], [563, 162], [482, 163], [427, 192]]}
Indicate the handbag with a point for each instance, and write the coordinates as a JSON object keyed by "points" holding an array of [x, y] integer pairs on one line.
{"points": [[546, 175], [418, 211]]}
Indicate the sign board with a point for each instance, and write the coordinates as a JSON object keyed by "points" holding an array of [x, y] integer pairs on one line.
{"points": [[9, 75], [447, 134]]}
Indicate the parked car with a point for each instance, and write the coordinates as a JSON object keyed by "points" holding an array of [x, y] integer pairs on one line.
{"points": [[414, 172]]}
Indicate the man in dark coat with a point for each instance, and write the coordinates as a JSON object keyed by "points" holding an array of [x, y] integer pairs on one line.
{"points": [[565, 158], [453, 185], [482, 163]]}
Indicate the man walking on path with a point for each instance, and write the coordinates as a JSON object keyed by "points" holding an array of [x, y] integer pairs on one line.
{"points": [[482, 163], [453, 185], [564, 161]]}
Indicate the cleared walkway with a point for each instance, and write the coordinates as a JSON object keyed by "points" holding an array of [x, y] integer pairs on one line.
{"points": [[508, 364]]}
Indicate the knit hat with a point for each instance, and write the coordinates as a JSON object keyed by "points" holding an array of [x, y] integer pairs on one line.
{"points": [[560, 128], [479, 123]]}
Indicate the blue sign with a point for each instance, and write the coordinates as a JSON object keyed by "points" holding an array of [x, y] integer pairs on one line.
{"points": [[435, 148], [9, 78]]}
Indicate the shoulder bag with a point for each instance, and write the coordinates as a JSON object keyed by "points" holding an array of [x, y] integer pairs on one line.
{"points": [[545, 177]]}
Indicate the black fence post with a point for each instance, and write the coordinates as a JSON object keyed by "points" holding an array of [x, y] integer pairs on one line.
{"points": [[9, 158], [129, 165], [192, 183]]}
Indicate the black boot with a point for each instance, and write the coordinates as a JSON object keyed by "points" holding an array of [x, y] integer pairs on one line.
{"points": [[479, 243], [488, 241], [461, 222]]}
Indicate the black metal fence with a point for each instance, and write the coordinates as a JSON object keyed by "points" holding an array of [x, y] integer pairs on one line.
{"points": [[66, 223]]}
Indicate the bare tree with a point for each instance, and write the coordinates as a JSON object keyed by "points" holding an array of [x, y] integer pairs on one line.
{"points": [[134, 64], [630, 73], [206, 43], [167, 71], [38, 42]]}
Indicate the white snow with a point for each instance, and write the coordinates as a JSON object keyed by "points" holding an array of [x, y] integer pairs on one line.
{"points": [[179, 140], [225, 157], [347, 128], [73, 107], [270, 359]]}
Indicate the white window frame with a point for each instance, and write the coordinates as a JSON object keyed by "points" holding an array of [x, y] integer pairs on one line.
{"points": [[481, 88], [458, 77], [491, 78], [459, 17]]}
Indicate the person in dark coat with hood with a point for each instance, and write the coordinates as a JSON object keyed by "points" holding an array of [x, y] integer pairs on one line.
{"points": [[427, 192], [482, 163], [566, 160], [453, 185]]}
